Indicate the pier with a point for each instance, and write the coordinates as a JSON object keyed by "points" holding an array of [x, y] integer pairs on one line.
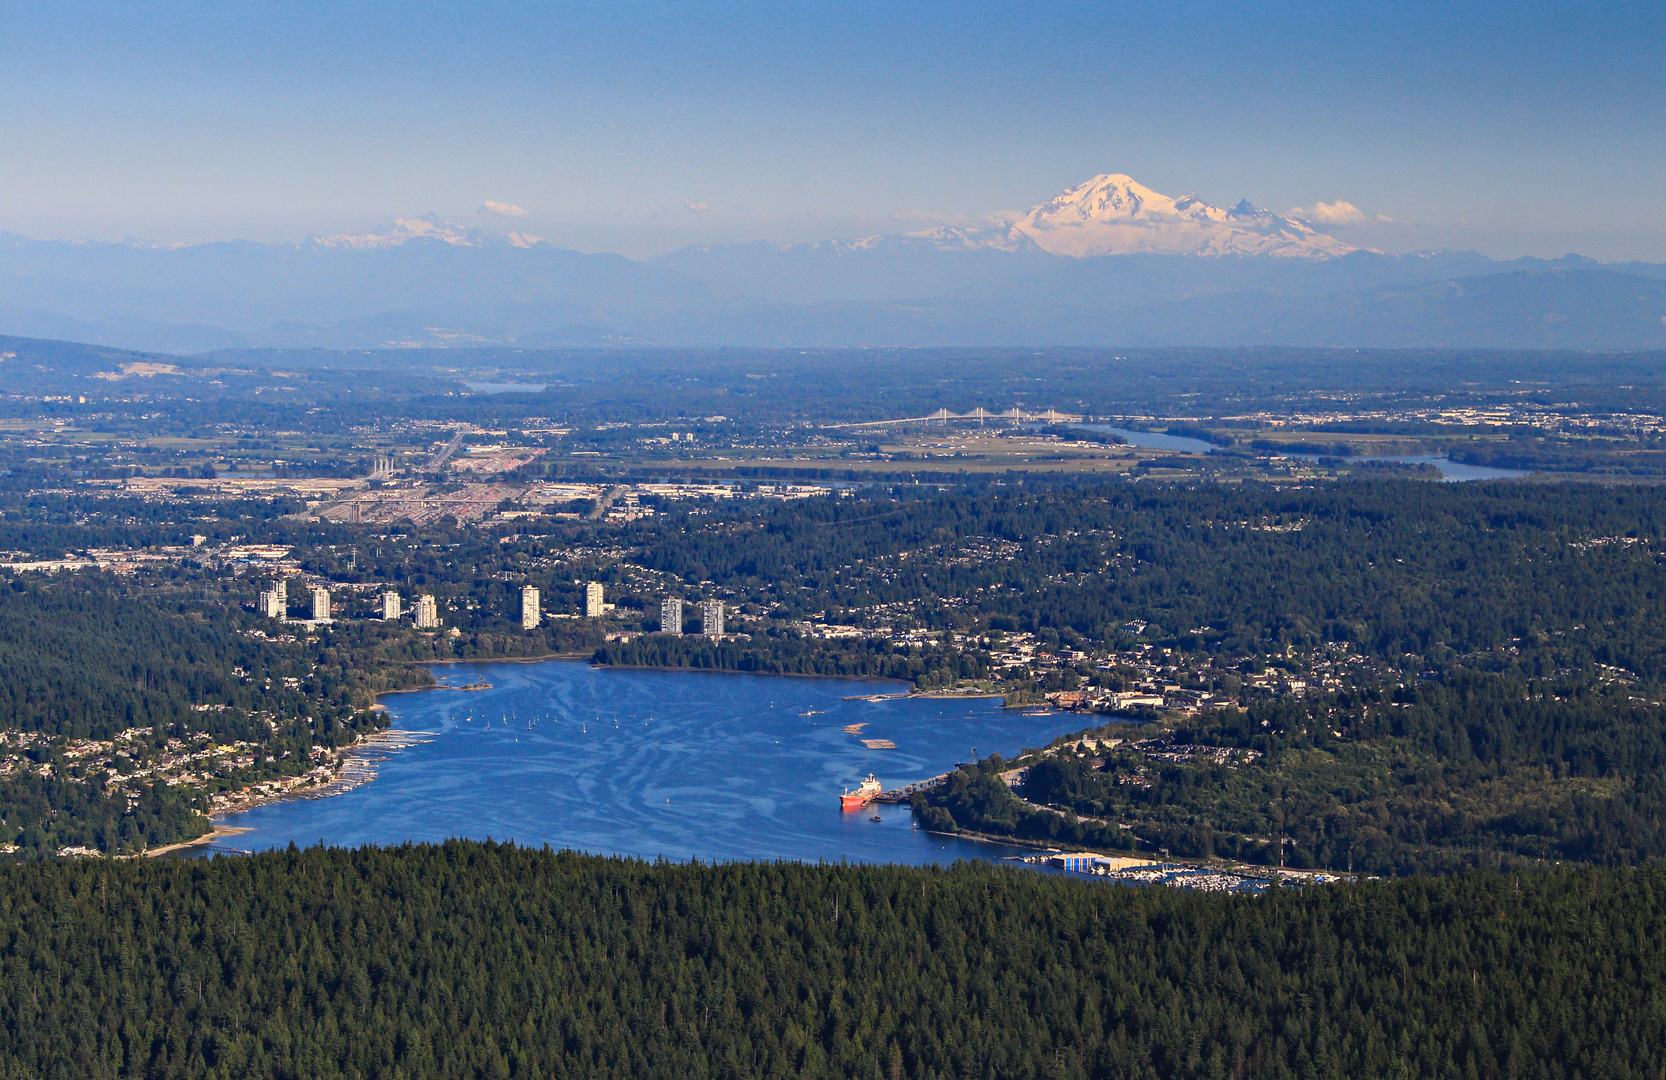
{"points": [[907, 792], [359, 761]]}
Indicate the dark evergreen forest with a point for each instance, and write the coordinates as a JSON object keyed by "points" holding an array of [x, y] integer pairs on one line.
{"points": [[476, 960], [1470, 769]]}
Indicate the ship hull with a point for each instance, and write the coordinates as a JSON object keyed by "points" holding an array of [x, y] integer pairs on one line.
{"points": [[864, 794]]}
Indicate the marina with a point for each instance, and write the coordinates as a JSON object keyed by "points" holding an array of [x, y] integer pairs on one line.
{"points": [[1190, 876]]}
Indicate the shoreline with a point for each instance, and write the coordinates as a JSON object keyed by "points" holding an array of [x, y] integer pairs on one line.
{"points": [[218, 832], [586, 657], [506, 660], [436, 685], [737, 671], [354, 769]]}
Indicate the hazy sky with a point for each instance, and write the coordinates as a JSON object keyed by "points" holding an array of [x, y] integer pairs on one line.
{"points": [[1514, 128]]}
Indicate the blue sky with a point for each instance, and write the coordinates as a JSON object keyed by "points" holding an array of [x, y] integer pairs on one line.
{"points": [[1514, 128]]}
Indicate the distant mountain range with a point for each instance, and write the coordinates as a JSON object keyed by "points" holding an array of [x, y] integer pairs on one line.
{"points": [[1110, 262]]}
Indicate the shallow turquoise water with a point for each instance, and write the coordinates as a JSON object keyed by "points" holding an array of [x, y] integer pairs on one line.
{"points": [[650, 763]]}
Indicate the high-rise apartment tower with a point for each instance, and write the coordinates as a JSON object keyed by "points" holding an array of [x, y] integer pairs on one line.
{"points": [[274, 602], [427, 612], [671, 615]]}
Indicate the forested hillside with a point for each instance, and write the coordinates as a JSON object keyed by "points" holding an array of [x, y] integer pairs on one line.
{"points": [[1536, 577], [1468, 770], [1487, 661], [1397, 567], [478, 960], [109, 685]]}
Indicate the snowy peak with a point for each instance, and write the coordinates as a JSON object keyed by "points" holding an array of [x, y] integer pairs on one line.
{"points": [[429, 228], [1112, 197], [1114, 214], [1001, 237]]}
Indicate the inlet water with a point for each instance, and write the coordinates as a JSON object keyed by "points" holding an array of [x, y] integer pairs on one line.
{"points": [[645, 762], [1448, 469], [1452, 471], [1152, 440]]}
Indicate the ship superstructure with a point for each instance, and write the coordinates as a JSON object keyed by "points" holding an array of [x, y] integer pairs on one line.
{"points": [[862, 796]]}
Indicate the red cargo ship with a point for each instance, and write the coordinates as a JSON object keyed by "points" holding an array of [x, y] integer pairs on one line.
{"points": [[862, 796]]}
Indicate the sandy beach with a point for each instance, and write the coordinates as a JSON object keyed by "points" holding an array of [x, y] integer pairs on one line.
{"points": [[219, 832]]}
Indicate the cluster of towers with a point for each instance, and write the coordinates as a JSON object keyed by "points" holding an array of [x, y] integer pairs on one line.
{"points": [[274, 604], [532, 612], [427, 614], [671, 616]]}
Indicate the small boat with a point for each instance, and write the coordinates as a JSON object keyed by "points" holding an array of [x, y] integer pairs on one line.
{"points": [[876, 817], [862, 796]]}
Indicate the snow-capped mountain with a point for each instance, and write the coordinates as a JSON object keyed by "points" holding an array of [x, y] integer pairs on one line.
{"points": [[1108, 262], [1116, 215], [429, 228], [1110, 215], [999, 237]]}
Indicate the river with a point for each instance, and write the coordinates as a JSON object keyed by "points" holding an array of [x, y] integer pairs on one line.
{"points": [[1449, 470], [1152, 440], [682, 764]]}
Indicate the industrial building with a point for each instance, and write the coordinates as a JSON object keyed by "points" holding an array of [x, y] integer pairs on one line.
{"points": [[390, 606], [711, 618], [671, 615], [593, 606], [531, 615], [427, 612]]}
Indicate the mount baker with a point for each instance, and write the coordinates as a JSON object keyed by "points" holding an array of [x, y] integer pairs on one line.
{"points": [[1109, 262], [1112, 214], [1115, 214]]}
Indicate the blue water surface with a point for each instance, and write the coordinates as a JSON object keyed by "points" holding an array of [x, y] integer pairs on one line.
{"points": [[682, 764], [1153, 440], [1449, 470]]}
